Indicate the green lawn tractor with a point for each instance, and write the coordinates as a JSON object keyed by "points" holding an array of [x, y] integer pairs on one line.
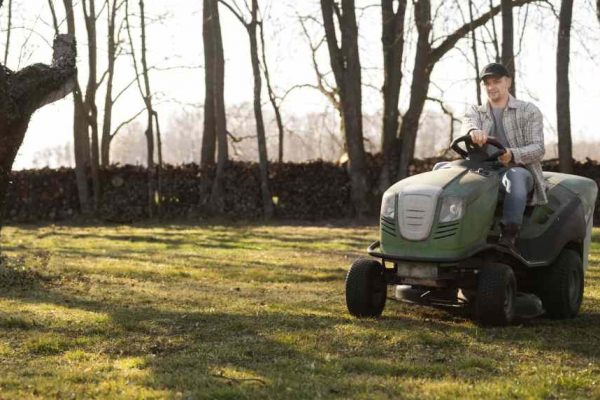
{"points": [[438, 244]]}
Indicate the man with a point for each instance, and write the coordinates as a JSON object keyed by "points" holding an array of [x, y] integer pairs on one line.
{"points": [[518, 125]]}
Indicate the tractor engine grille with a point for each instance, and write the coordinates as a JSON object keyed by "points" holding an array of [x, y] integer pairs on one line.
{"points": [[416, 210]]}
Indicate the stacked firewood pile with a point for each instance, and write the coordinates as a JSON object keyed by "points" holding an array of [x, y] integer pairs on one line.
{"points": [[313, 190], [42, 195]]}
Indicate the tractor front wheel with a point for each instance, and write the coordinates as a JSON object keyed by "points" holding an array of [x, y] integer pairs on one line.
{"points": [[366, 288], [496, 292]]}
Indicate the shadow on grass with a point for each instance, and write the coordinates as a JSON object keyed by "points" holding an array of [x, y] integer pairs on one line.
{"points": [[229, 354]]}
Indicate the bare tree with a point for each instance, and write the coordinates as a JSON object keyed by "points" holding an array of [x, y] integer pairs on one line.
{"points": [[209, 135], [392, 39], [251, 28], [508, 53], [345, 64], [81, 140], [151, 114], [113, 41], [89, 15], [25, 91], [215, 124], [271, 92], [426, 58], [475, 56], [8, 31], [563, 111]]}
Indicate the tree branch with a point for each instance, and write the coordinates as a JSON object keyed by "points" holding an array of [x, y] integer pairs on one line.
{"points": [[237, 13], [450, 41], [122, 124]]}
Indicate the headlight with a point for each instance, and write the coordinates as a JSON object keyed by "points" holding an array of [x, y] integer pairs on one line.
{"points": [[452, 209], [388, 205]]}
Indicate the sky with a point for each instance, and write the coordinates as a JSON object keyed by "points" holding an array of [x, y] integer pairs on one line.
{"points": [[175, 50]]}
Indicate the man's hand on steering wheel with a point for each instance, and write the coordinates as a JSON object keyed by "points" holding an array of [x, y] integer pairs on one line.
{"points": [[505, 158], [478, 137]]}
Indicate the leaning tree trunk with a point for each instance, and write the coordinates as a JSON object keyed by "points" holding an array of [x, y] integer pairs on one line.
{"points": [[392, 39], [25, 91], [508, 52], [563, 112]]}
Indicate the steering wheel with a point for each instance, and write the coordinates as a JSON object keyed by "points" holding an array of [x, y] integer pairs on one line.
{"points": [[471, 147]]}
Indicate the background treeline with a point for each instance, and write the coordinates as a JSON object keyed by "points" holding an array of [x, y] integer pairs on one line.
{"points": [[313, 191], [416, 36]]}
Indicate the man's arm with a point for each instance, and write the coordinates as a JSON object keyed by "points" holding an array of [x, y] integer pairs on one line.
{"points": [[533, 131], [471, 121]]}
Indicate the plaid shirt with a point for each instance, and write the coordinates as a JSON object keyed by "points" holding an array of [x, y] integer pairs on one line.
{"points": [[524, 127]]}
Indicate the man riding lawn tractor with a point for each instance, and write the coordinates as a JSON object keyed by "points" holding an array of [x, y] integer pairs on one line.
{"points": [[487, 231], [518, 126]]}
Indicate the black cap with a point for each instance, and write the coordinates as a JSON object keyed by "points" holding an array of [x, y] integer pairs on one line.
{"points": [[494, 69]]}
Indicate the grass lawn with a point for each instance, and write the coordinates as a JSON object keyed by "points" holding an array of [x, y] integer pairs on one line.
{"points": [[233, 312]]}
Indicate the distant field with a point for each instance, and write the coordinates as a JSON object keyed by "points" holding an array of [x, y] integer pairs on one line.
{"points": [[234, 312]]}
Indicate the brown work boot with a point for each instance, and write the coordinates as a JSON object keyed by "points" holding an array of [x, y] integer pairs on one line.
{"points": [[509, 234]]}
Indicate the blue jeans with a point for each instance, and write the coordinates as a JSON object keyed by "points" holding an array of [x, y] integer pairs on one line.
{"points": [[516, 183]]}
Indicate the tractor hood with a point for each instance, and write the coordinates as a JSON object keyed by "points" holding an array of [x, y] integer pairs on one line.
{"points": [[456, 181], [443, 213]]}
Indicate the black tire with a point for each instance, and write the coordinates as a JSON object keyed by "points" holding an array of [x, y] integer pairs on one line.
{"points": [[496, 293], [366, 288], [561, 286]]}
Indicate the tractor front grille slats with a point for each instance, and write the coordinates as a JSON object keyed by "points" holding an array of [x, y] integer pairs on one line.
{"points": [[388, 226], [446, 230]]}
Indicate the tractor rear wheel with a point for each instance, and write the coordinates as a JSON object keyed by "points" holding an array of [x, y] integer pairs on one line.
{"points": [[561, 287], [496, 293], [366, 288]]}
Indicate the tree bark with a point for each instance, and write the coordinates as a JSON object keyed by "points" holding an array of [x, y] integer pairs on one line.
{"points": [[8, 32], [260, 126], [81, 141], [108, 97], [89, 13], [345, 64], [272, 97], [475, 56], [392, 39], [508, 53], [25, 91], [217, 65], [151, 113], [563, 111], [209, 135], [426, 58]]}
